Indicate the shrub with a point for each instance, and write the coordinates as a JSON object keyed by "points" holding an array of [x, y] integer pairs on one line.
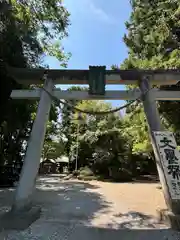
{"points": [[87, 178], [75, 173], [120, 175], [85, 171]]}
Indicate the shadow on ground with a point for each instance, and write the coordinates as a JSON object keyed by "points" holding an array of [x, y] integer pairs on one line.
{"points": [[81, 202], [6, 199], [68, 209], [69, 201], [135, 220]]}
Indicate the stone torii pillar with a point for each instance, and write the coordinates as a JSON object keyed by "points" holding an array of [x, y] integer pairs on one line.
{"points": [[33, 154], [22, 214], [154, 122]]}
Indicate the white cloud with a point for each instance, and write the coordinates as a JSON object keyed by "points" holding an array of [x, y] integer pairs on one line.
{"points": [[99, 12]]}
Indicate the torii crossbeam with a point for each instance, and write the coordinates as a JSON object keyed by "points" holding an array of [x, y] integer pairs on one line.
{"points": [[73, 77], [125, 77]]}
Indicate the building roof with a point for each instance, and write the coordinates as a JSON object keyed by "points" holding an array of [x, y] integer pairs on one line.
{"points": [[62, 159]]}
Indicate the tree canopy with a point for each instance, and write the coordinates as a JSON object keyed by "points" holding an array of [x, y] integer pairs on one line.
{"points": [[153, 42], [29, 30]]}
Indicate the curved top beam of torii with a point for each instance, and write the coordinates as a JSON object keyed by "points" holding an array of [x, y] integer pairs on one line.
{"points": [[28, 76]]}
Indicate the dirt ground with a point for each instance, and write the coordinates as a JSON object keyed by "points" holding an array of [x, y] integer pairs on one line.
{"points": [[140, 197], [128, 200], [74, 209]]}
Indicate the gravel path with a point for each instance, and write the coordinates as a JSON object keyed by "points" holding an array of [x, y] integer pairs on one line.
{"points": [[81, 210]]}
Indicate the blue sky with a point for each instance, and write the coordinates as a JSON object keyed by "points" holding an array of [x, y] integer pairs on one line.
{"points": [[95, 35]]}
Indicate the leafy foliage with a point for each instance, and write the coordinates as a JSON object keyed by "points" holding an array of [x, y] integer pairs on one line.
{"points": [[100, 139], [26, 34], [137, 130], [44, 23], [68, 116], [153, 40]]}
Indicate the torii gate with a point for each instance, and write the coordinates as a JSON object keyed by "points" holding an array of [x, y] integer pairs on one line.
{"points": [[144, 78]]}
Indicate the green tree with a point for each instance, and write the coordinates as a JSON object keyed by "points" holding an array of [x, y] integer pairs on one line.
{"points": [[153, 34], [52, 149], [44, 24], [67, 116], [101, 143], [136, 129], [153, 40], [53, 144], [26, 33]]}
